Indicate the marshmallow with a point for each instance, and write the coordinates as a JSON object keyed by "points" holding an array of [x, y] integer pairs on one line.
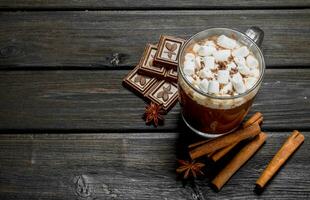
{"points": [[189, 67], [198, 62], [239, 60], [244, 70], [189, 56], [209, 62], [255, 73], [214, 87], [227, 88], [210, 43], [238, 83], [196, 83], [206, 50], [205, 73], [196, 47], [241, 52], [251, 62], [204, 85], [222, 55], [226, 42], [250, 82], [231, 65], [223, 76]]}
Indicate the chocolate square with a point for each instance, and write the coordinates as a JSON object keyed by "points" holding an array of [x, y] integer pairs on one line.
{"points": [[146, 63], [164, 93], [172, 75], [138, 83], [168, 51]]}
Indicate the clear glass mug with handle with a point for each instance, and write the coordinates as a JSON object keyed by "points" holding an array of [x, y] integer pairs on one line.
{"points": [[210, 115]]}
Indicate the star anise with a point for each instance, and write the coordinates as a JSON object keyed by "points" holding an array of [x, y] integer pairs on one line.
{"points": [[153, 113], [140, 79], [171, 48], [190, 168], [164, 94]]}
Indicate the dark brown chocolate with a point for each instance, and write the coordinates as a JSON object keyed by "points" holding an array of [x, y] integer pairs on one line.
{"points": [[138, 83], [172, 75], [164, 93], [168, 52], [146, 66]]}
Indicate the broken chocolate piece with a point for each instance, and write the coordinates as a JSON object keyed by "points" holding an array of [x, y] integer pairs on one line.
{"points": [[171, 75], [146, 66], [168, 52], [138, 83], [164, 93]]}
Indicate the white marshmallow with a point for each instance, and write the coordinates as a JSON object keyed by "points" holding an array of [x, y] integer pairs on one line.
{"points": [[222, 55], [239, 60], [251, 62], [231, 65], [198, 62], [206, 50], [241, 52], [189, 67], [210, 43], [214, 87], [209, 62], [196, 47], [227, 88], [255, 73], [226, 42], [250, 82], [205, 73], [244, 70], [197, 83], [189, 56], [204, 85], [238, 83], [223, 76]]}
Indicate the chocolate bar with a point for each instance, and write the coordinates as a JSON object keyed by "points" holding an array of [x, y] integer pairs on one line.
{"points": [[164, 93], [171, 75], [146, 66], [168, 52], [138, 83]]}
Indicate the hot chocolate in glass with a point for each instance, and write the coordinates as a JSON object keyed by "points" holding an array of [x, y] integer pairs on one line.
{"points": [[220, 73]]}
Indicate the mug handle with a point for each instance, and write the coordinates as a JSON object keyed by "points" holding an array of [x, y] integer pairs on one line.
{"points": [[256, 34]]}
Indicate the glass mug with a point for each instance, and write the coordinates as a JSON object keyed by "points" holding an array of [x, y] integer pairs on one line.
{"points": [[209, 115]]}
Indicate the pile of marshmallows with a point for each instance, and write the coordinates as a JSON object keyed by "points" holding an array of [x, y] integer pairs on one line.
{"points": [[221, 66]]}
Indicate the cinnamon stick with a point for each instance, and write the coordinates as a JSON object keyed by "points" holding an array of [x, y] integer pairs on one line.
{"points": [[197, 144], [256, 118], [288, 148], [224, 141], [253, 119], [222, 152], [243, 155]]}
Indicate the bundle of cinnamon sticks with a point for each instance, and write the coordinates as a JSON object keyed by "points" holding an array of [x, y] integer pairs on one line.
{"points": [[217, 148]]}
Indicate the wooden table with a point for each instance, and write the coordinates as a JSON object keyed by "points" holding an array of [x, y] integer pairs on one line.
{"points": [[69, 130]]}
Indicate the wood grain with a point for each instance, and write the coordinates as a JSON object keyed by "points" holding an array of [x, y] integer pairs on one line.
{"points": [[148, 4], [93, 39], [96, 101], [132, 166]]}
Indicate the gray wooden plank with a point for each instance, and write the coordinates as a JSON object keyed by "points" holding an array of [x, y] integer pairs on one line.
{"points": [[96, 100], [90, 38], [133, 166], [147, 4]]}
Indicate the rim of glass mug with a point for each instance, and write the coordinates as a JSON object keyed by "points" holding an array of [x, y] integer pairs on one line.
{"points": [[263, 66]]}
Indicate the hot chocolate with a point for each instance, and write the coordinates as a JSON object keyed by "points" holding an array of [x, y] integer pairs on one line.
{"points": [[220, 76]]}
